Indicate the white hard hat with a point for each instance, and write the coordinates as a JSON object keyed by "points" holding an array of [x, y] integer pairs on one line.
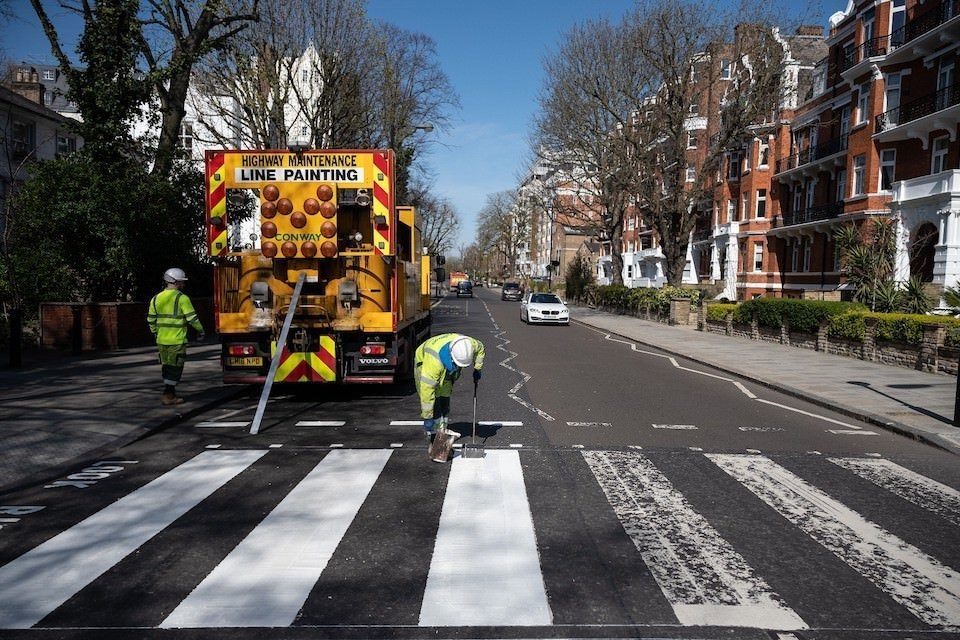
{"points": [[462, 352], [174, 275]]}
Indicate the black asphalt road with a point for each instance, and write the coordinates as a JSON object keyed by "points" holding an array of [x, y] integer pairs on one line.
{"points": [[623, 453]]}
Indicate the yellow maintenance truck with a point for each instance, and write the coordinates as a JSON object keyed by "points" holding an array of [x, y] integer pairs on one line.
{"points": [[333, 285]]}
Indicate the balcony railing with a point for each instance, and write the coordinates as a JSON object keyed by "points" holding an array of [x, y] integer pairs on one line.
{"points": [[922, 106], [869, 49], [822, 150], [927, 21], [813, 214]]}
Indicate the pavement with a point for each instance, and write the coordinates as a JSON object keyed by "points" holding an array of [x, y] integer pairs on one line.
{"points": [[59, 408]]}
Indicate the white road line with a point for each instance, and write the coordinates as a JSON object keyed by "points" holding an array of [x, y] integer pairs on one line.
{"points": [[218, 425], [921, 583], [495, 423], [589, 424], [485, 569], [807, 413], [265, 580], [676, 427], [922, 491], [406, 423], [321, 423], [42, 579], [702, 576], [851, 432]]}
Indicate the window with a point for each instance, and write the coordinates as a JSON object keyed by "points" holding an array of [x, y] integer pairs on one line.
{"points": [[944, 82], [49, 74], [726, 69], [746, 158], [869, 24], [859, 175], [807, 249], [863, 101], [186, 135], [691, 140], [23, 136], [731, 210], [811, 191], [797, 198], [304, 131], [631, 224], [305, 75], [939, 155], [841, 184], [48, 98], [898, 17], [733, 168], [745, 206], [629, 271], [892, 108], [758, 257], [845, 121], [795, 256], [764, 155], [694, 109], [66, 144], [761, 203], [691, 173], [888, 161]]}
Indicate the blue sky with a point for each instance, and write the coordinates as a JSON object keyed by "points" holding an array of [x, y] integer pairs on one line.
{"points": [[490, 49]]}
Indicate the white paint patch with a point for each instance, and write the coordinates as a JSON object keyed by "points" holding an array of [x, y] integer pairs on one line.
{"points": [[589, 424], [406, 423], [495, 423], [702, 576], [851, 432], [485, 569], [807, 413], [516, 446], [213, 446], [42, 579], [676, 427], [524, 377], [276, 446], [761, 429], [336, 445], [929, 589], [321, 423], [220, 425], [753, 450], [396, 445], [922, 491], [265, 580], [696, 448]]}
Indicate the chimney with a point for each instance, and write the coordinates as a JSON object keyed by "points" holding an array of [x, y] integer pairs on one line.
{"points": [[27, 84], [810, 30]]}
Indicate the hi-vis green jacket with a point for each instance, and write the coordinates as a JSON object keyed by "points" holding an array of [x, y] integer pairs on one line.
{"points": [[168, 315], [435, 370]]}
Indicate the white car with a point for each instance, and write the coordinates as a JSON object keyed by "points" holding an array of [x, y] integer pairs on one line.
{"points": [[544, 308]]}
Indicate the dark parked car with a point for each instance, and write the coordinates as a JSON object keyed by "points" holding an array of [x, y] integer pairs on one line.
{"points": [[464, 288], [511, 291]]}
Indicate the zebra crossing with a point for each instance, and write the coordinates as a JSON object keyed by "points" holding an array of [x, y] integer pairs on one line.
{"points": [[378, 537]]}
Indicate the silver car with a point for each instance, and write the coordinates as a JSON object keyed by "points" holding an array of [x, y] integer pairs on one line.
{"points": [[544, 308]]}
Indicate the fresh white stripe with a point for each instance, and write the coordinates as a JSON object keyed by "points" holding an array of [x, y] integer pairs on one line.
{"points": [[321, 423], [265, 580], [922, 491], [485, 569], [494, 423], [217, 425], [42, 579], [921, 583], [704, 578], [406, 423], [807, 413], [677, 427]]}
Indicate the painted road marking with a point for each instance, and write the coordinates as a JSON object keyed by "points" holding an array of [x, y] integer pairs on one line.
{"points": [[851, 432], [266, 579], [702, 576], [922, 491], [42, 579], [676, 427], [406, 423], [495, 423], [219, 425], [589, 424], [485, 569], [807, 413], [929, 589], [761, 429], [321, 423]]}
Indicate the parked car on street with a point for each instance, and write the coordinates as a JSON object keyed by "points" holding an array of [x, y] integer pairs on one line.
{"points": [[511, 291], [465, 288], [544, 308]]}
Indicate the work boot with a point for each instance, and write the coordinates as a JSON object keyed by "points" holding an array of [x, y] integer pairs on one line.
{"points": [[170, 398]]}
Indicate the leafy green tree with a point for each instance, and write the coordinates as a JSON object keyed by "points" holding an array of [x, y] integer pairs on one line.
{"points": [[579, 276]]}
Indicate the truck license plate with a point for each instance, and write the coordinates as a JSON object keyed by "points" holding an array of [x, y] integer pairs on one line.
{"points": [[245, 362]]}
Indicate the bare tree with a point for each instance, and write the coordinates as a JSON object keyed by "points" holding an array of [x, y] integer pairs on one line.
{"points": [[618, 105], [502, 229], [439, 218]]}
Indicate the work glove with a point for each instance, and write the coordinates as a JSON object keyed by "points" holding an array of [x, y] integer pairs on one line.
{"points": [[428, 425], [476, 376]]}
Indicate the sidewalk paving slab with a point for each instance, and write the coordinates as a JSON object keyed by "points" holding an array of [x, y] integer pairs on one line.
{"points": [[913, 403]]}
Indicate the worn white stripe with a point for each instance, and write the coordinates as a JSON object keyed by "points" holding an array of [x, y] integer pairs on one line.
{"points": [[676, 427], [702, 576], [807, 413], [321, 423], [485, 569], [42, 579], [851, 432], [589, 424], [218, 425], [922, 491], [265, 580], [921, 583]]}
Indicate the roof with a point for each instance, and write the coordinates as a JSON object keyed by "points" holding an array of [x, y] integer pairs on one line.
{"points": [[8, 96]]}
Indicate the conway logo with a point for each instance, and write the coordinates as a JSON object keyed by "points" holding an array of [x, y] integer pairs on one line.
{"points": [[299, 237]]}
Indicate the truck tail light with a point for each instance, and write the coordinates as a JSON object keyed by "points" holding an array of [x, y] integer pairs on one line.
{"points": [[373, 350], [241, 350]]}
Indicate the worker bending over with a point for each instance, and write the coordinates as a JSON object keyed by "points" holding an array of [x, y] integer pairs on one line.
{"points": [[438, 363]]}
